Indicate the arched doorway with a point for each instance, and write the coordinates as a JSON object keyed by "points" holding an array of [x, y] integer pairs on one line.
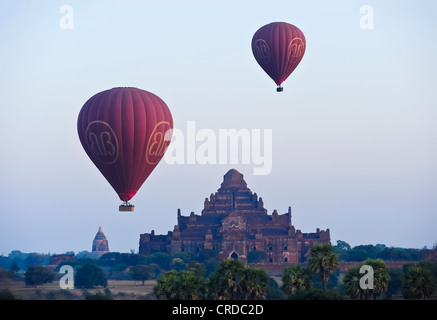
{"points": [[234, 255]]}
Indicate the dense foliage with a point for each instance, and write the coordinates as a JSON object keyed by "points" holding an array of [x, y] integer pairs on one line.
{"points": [[187, 275], [380, 251], [88, 276], [38, 275]]}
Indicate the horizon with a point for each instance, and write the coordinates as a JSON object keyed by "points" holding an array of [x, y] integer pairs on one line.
{"points": [[350, 144], [136, 252]]}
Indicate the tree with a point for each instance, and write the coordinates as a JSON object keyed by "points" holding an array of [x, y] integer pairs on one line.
{"points": [[197, 268], [342, 249], [142, 273], [15, 268], [224, 283], [37, 259], [178, 264], [180, 285], [381, 276], [419, 282], [211, 265], [342, 245], [185, 256], [90, 275], [273, 291], [381, 280], [106, 295], [323, 260], [254, 284], [232, 281], [395, 283], [162, 259], [296, 278], [37, 275], [6, 294], [352, 282]]}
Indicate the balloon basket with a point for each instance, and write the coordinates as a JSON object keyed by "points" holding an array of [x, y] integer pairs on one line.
{"points": [[279, 89], [126, 207]]}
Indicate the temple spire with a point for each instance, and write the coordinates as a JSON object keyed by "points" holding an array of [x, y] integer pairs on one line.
{"points": [[100, 244]]}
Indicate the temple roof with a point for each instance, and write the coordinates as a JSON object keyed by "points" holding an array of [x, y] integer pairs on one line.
{"points": [[100, 235], [233, 179], [233, 194]]}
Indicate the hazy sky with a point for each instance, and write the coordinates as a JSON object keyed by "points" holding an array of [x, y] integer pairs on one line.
{"points": [[354, 132]]}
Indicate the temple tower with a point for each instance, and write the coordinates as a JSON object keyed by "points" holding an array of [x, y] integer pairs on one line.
{"points": [[100, 244]]}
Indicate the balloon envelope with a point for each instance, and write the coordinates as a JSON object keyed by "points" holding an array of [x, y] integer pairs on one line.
{"points": [[278, 48], [125, 132]]}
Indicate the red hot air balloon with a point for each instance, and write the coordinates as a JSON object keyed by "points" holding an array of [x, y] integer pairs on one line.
{"points": [[278, 48], [125, 132]]}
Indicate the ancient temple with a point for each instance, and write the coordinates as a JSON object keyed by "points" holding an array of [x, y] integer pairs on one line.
{"points": [[234, 222], [100, 244]]}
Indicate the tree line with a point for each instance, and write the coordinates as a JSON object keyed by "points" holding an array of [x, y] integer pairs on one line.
{"points": [[184, 276], [345, 252], [233, 281], [379, 251]]}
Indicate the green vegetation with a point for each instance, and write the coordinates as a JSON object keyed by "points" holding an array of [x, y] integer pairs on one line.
{"points": [[231, 281], [420, 280], [17, 260], [142, 272], [6, 294], [187, 276], [379, 251], [323, 261], [88, 276], [295, 279], [234, 281], [38, 275], [180, 285], [380, 283], [320, 280], [105, 295]]}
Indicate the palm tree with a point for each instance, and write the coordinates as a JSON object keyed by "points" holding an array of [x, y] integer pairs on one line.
{"points": [[381, 276], [233, 281], [352, 282], [254, 284], [296, 278], [323, 260], [179, 285], [418, 283], [224, 283]]}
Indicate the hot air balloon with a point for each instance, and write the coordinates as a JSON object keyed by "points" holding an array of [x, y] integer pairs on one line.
{"points": [[278, 48], [125, 132]]}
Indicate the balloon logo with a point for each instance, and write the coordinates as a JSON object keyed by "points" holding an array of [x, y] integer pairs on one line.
{"points": [[157, 142], [261, 52], [125, 132], [278, 48], [102, 142]]}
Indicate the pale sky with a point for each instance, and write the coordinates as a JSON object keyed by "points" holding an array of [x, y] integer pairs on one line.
{"points": [[354, 132]]}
